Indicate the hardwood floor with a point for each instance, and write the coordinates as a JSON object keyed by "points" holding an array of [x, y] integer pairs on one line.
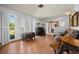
{"points": [[38, 46]]}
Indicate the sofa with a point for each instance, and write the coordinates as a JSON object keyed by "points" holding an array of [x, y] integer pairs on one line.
{"points": [[74, 34], [71, 32]]}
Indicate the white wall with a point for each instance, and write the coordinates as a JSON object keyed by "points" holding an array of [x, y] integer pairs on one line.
{"points": [[41, 22], [58, 29], [23, 24], [76, 8]]}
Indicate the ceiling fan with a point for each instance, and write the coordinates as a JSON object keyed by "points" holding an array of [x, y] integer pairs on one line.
{"points": [[41, 5]]}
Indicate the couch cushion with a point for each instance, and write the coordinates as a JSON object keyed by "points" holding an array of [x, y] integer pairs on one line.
{"points": [[75, 34]]}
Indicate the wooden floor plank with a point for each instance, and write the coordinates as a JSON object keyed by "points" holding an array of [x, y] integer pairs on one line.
{"points": [[38, 46]]}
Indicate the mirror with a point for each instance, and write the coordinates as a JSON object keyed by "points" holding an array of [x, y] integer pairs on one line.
{"points": [[74, 20]]}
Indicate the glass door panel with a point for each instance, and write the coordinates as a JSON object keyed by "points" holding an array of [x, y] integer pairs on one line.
{"points": [[11, 26]]}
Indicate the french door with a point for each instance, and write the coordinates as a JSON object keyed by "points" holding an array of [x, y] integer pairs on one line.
{"points": [[11, 26], [7, 27]]}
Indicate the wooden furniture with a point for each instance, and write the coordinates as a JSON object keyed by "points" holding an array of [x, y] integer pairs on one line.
{"points": [[30, 35], [40, 31], [69, 42], [56, 46]]}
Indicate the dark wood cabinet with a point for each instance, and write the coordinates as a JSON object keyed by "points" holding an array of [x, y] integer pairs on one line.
{"points": [[40, 31]]}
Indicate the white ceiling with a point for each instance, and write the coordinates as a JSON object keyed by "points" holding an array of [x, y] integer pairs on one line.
{"points": [[49, 10]]}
